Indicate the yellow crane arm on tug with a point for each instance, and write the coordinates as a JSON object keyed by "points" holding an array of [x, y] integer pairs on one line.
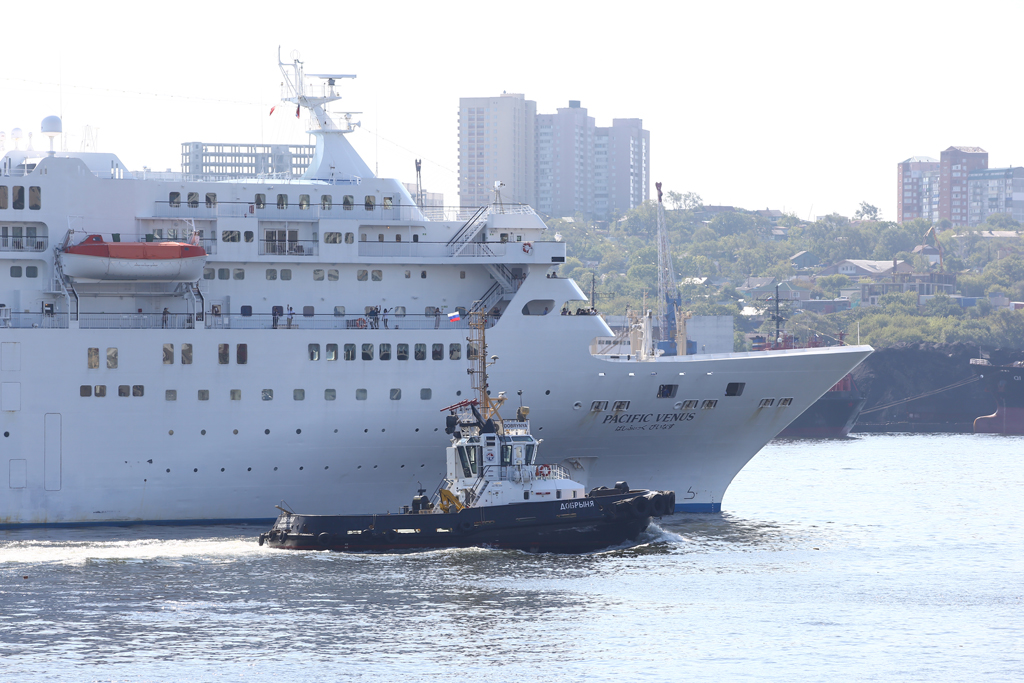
{"points": [[448, 499]]}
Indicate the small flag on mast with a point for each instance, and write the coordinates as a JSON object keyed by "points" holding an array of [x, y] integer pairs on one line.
{"points": [[297, 110], [272, 110], [454, 317]]}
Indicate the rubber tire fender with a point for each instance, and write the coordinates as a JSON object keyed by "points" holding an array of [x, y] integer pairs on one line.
{"points": [[642, 506], [624, 509], [670, 502], [657, 502], [324, 538]]}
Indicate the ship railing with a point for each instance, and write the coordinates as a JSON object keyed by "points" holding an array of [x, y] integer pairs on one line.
{"points": [[328, 321], [429, 249], [547, 471], [33, 243], [21, 320], [136, 321], [289, 247]]}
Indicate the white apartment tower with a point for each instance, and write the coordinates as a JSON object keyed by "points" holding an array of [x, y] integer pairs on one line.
{"points": [[496, 143], [622, 172], [565, 161]]}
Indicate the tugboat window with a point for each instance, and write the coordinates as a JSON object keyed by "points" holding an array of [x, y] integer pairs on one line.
{"points": [[734, 388]]}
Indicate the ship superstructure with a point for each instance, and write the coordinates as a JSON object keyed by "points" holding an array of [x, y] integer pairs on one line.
{"points": [[327, 328]]}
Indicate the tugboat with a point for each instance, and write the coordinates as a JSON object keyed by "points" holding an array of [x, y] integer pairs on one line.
{"points": [[496, 493]]}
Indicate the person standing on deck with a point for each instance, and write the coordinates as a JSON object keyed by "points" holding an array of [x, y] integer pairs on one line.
{"points": [[291, 314], [165, 316]]}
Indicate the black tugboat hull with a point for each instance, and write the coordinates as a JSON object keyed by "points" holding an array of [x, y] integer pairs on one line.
{"points": [[558, 526]]}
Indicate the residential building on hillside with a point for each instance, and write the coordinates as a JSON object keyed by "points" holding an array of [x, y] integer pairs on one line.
{"points": [[995, 190], [922, 284], [622, 167], [914, 188], [564, 158], [496, 144], [956, 164], [803, 259], [865, 268]]}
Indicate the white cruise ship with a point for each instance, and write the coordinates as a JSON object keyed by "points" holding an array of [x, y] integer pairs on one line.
{"points": [[178, 349]]}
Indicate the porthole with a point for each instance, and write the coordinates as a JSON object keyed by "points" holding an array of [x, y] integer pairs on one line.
{"points": [[374, 467], [577, 405], [300, 468], [248, 469], [168, 470], [235, 432], [335, 431], [221, 469], [6, 434], [298, 431], [275, 469], [325, 467], [266, 431], [547, 393], [170, 432], [203, 432], [458, 393], [365, 431], [195, 469]]}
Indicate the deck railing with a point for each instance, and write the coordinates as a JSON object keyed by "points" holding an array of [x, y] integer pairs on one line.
{"points": [[8, 243]]}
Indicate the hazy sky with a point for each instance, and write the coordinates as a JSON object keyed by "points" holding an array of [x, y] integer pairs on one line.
{"points": [[806, 107]]}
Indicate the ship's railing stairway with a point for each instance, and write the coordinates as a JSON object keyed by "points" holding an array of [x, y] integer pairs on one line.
{"points": [[505, 284], [61, 283], [468, 231]]}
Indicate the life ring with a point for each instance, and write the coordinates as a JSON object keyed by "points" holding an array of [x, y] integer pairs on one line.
{"points": [[527, 247], [361, 323], [543, 470]]}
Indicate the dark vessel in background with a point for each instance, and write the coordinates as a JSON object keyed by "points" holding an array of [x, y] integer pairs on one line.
{"points": [[1006, 384]]}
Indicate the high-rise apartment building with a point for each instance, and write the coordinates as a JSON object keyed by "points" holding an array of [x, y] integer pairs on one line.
{"points": [[564, 155], [496, 143], [995, 190], [569, 165], [622, 167], [956, 165], [915, 188]]}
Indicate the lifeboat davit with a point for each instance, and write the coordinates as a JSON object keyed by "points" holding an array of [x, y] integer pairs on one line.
{"points": [[95, 259]]}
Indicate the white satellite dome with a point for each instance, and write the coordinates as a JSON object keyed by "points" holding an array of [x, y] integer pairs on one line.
{"points": [[16, 133], [51, 125]]}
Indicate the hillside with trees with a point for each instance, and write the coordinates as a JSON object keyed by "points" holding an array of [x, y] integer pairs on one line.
{"points": [[714, 250]]}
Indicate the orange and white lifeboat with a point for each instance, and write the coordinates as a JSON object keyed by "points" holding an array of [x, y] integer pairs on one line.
{"points": [[95, 259]]}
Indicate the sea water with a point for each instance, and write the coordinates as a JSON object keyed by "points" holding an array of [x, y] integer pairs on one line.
{"points": [[876, 558]]}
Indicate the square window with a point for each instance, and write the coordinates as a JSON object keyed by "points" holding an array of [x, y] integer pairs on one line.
{"points": [[236, 394], [396, 394], [667, 390], [230, 236], [339, 311], [101, 390], [385, 351], [332, 352], [85, 391], [242, 354], [174, 199], [425, 394], [708, 405], [408, 274], [376, 275], [349, 238], [402, 352], [138, 390], [734, 388], [420, 352], [619, 406], [360, 394], [455, 351], [326, 203], [318, 274], [261, 201], [204, 395], [298, 394], [350, 351], [347, 202], [304, 202], [94, 358], [246, 311], [367, 351], [186, 354], [286, 273], [171, 395], [168, 354], [271, 273], [111, 358], [209, 273], [330, 394], [437, 352], [31, 271], [223, 273], [248, 235], [239, 273], [193, 200], [15, 271], [361, 275], [267, 394], [314, 351], [124, 390], [223, 354], [332, 238], [462, 275], [332, 274], [307, 311], [369, 202], [598, 406], [282, 201]]}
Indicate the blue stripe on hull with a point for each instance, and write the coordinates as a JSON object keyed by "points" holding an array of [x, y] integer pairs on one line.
{"points": [[698, 507]]}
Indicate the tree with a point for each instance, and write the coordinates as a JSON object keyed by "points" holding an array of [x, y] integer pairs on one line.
{"points": [[675, 199], [692, 201], [867, 212]]}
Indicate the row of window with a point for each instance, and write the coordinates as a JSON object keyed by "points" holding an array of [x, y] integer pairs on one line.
{"points": [[17, 197], [30, 271], [124, 390], [259, 201], [419, 351], [283, 238], [286, 274]]}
